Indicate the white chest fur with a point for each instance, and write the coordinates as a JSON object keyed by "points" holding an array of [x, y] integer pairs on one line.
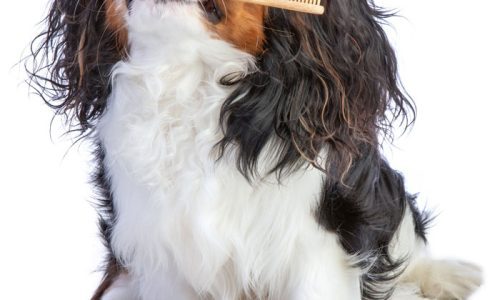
{"points": [[186, 224]]}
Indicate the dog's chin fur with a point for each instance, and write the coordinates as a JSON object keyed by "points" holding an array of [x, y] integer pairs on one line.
{"points": [[218, 182]]}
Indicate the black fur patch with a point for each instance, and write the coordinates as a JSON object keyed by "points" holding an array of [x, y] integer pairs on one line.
{"points": [[112, 267], [365, 210]]}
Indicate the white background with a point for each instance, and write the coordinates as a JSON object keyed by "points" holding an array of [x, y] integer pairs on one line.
{"points": [[449, 59]]}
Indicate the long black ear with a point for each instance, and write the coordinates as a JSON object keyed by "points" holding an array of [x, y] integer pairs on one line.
{"points": [[325, 83], [73, 57]]}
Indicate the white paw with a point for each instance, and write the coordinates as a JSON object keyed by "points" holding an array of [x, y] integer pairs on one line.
{"points": [[446, 279]]}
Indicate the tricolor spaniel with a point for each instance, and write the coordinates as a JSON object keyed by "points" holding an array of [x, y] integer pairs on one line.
{"points": [[238, 150]]}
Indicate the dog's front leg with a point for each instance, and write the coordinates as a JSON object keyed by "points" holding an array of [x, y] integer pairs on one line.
{"points": [[322, 270]]}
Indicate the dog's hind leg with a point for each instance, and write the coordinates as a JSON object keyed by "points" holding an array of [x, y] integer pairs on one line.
{"points": [[430, 278], [444, 279], [407, 291]]}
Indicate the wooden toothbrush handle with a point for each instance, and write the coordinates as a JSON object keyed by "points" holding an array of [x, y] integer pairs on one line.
{"points": [[306, 6]]}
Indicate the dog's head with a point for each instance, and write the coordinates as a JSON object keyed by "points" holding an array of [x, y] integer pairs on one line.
{"points": [[323, 82]]}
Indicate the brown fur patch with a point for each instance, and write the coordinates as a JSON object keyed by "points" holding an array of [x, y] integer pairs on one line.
{"points": [[242, 25], [115, 19]]}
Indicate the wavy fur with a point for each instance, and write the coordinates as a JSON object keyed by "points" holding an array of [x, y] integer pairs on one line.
{"points": [[72, 61], [324, 83]]}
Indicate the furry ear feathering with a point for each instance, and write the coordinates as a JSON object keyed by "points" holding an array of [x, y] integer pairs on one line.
{"points": [[238, 150]]}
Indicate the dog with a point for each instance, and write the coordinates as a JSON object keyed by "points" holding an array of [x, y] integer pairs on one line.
{"points": [[238, 150]]}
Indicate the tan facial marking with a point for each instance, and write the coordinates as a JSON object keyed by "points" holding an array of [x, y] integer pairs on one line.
{"points": [[242, 25]]}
